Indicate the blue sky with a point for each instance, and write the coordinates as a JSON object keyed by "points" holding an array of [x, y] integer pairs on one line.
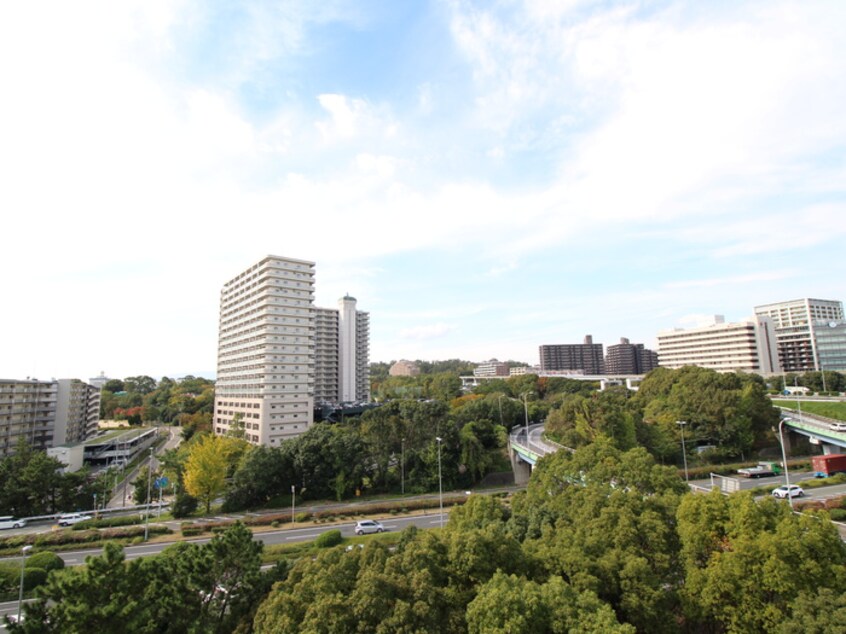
{"points": [[484, 177]]}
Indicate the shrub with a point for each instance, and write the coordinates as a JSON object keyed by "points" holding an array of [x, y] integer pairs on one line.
{"points": [[328, 539], [275, 523], [838, 515], [302, 517], [46, 560], [34, 577], [107, 522], [184, 505], [188, 531]]}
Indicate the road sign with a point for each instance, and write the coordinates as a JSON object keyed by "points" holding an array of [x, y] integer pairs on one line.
{"points": [[162, 482]]}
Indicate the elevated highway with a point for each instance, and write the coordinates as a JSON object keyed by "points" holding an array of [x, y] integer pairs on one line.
{"points": [[526, 449], [817, 428]]}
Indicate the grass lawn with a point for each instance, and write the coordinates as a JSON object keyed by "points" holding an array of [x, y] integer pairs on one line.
{"points": [[834, 410]]}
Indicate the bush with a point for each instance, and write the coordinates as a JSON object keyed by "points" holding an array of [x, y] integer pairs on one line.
{"points": [[184, 505], [302, 517], [46, 560], [34, 577], [275, 523], [328, 539], [108, 522], [191, 531], [838, 515]]}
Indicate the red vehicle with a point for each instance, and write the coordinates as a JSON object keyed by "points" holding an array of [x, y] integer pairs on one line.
{"points": [[825, 466]]}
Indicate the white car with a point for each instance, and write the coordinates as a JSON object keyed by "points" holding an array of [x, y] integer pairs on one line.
{"points": [[73, 518], [11, 522], [837, 426], [793, 491], [368, 526]]}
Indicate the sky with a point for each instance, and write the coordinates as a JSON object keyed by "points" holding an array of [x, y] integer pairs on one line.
{"points": [[485, 177]]}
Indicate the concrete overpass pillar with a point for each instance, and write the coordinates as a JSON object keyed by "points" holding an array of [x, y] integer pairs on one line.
{"points": [[522, 470]]}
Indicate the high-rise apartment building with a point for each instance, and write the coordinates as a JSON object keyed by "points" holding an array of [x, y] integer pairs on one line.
{"points": [[77, 411], [747, 346], [586, 357], [47, 413], [266, 351], [796, 322], [342, 354], [278, 354], [629, 358]]}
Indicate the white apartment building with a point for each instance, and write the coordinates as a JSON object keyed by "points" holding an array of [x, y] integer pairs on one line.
{"points": [[493, 367], [796, 322], [342, 354], [266, 351], [746, 346]]}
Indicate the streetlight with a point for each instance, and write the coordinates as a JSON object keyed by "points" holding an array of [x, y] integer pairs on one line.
{"points": [[784, 459], [440, 480], [402, 463], [798, 402], [526, 410], [149, 483], [681, 424], [293, 494], [24, 552]]}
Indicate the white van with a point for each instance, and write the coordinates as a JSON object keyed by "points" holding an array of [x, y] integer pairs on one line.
{"points": [[10, 522]]}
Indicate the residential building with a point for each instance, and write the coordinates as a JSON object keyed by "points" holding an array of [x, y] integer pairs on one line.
{"points": [[796, 322], [404, 368], [830, 338], [77, 411], [586, 357], [492, 368], [746, 346], [342, 354], [629, 358], [266, 351], [326, 352], [99, 381], [46, 413]]}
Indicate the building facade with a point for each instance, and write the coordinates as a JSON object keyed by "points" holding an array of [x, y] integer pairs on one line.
{"points": [[747, 346], [266, 352], [586, 357], [404, 367], [77, 411], [796, 322], [830, 338], [342, 354], [629, 358], [278, 354], [47, 413], [492, 368]]}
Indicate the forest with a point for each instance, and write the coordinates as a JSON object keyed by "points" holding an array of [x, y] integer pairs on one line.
{"points": [[602, 540]]}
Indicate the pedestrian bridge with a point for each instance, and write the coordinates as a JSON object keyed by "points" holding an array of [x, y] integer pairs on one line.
{"points": [[526, 445]]}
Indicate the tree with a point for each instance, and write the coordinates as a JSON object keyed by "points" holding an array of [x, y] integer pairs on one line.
{"points": [[747, 562], [206, 468]]}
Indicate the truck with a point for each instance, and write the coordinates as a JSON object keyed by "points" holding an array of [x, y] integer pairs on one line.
{"points": [[760, 470], [825, 466]]}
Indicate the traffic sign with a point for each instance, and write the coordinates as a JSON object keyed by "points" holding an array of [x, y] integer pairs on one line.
{"points": [[162, 482]]}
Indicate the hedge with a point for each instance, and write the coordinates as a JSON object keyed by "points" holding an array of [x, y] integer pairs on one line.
{"points": [[108, 522], [328, 539], [46, 560]]}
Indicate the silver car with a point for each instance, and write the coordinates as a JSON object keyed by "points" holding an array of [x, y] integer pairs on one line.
{"points": [[368, 526]]}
